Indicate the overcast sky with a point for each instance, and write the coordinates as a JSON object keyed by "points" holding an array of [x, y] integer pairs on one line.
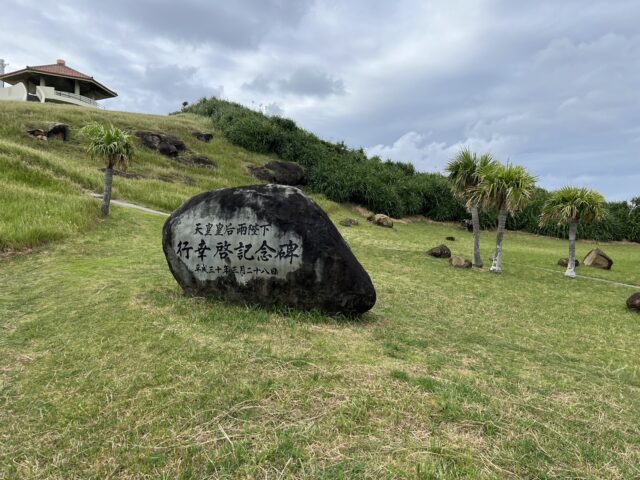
{"points": [[551, 84]]}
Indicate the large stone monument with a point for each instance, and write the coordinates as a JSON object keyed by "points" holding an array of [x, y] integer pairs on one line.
{"points": [[265, 244]]}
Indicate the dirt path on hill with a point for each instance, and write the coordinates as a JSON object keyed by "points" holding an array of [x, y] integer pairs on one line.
{"points": [[129, 205]]}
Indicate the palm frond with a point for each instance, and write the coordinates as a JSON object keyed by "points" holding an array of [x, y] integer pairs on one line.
{"points": [[573, 204], [110, 143], [464, 172], [503, 186]]}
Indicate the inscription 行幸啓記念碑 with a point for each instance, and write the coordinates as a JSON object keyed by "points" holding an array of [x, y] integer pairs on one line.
{"points": [[244, 247]]}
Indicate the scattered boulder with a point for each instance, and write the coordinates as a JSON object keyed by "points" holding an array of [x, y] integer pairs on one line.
{"points": [[203, 137], [348, 222], [167, 149], [564, 262], [59, 131], [281, 173], [459, 262], [451, 239], [267, 245], [597, 258], [441, 251], [167, 145], [381, 220], [633, 302], [38, 133]]}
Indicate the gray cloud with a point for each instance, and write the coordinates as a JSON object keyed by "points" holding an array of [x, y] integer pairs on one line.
{"points": [[304, 81], [551, 85], [312, 82]]}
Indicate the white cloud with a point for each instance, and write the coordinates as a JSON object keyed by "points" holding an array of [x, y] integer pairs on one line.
{"points": [[433, 156]]}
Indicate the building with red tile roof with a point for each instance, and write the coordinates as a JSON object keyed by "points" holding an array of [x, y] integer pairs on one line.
{"points": [[55, 83]]}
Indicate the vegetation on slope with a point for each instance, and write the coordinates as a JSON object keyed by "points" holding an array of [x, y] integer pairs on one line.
{"points": [[42, 183], [394, 188]]}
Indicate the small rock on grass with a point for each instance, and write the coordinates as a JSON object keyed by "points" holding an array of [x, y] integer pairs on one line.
{"points": [[203, 137], [564, 262], [459, 262], [633, 302], [348, 222], [381, 220], [597, 258], [441, 251]]}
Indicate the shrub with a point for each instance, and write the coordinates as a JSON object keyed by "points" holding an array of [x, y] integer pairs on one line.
{"points": [[393, 188]]}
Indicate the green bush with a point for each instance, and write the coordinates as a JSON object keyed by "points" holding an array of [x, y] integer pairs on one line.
{"points": [[393, 188]]}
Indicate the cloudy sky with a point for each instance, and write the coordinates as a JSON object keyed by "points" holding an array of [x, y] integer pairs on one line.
{"points": [[549, 84]]}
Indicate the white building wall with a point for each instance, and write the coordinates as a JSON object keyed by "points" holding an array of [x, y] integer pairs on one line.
{"points": [[16, 92]]}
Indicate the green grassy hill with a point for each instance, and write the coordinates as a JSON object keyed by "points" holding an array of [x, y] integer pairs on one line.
{"points": [[42, 182], [108, 371]]}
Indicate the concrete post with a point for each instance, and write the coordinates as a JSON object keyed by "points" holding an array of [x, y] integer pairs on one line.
{"points": [[77, 88], [2, 65]]}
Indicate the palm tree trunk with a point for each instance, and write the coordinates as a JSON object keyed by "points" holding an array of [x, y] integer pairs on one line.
{"points": [[497, 256], [475, 220], [106, 196], [571, 267]]}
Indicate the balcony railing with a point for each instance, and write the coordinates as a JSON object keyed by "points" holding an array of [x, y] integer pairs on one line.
{"points": [[80, 98]]}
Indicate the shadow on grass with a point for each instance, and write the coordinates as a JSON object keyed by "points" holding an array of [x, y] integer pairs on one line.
{"points": [[245, 315]]}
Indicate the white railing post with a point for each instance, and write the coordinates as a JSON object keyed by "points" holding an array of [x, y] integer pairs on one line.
{"points": [[2, 66]]}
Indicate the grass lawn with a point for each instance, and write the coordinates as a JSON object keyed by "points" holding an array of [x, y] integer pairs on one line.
{"points": [[108, 371]]}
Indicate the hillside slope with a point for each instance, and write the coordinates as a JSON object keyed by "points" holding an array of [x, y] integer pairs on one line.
{"points": [[42, 182]]}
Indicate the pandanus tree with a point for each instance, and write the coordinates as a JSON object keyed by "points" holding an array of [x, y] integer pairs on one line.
{"points": [[115, 147], [571, 206], [508, 189], [464, 175]]}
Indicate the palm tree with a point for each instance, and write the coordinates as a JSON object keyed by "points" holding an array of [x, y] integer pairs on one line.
{"points": [[507, 188], [570, 206], [115, 147], [464, 175]]}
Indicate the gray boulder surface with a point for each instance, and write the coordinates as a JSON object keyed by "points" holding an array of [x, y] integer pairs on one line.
{"points": [[167, 145], [348, 222], [633, 302], [267, 245], [381, 220], [203, 137], [282, 173], [59, 131], [597, 258], [460, 262], [564, 262]]}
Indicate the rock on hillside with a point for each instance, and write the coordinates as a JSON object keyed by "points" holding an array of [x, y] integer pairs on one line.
{"points": [[281, 173], [167, 145]]}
